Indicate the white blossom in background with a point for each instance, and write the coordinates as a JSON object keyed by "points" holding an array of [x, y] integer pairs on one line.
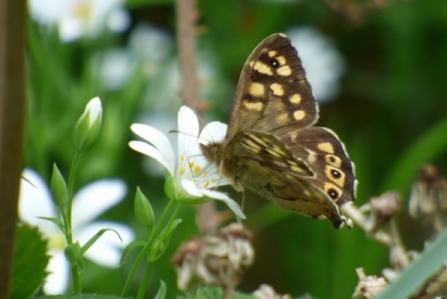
{"points": [[152, 45], [88, 204], [194, 177], [114, 67], [323, 64], [75, 19]]}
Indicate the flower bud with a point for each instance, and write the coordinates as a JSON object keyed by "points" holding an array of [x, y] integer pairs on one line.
{"points": [[88, 126], [58, 188], [143, 210]]}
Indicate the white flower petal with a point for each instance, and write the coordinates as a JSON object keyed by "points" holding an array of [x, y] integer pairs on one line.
{"points": [[57, 280], [191, 188], [213, 132], [159, 141], [95, 198], [227, 200], [106, 250], [35, 201], [149, 150], [188, 126]]}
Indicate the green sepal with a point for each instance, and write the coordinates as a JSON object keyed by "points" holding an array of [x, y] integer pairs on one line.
{"points": [[143, 210], [162, 241], [73, 253], [58, 187], [88, 126], [170, 187]]}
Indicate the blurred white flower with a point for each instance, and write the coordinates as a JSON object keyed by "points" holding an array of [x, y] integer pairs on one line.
{"points": [[78, 18], [324, 65], [114, 67], [194, 177], [88, 203], [152, 45]]}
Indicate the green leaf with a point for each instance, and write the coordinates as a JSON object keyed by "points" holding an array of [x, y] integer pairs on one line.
{"points": [[56, 221], [98, 235], [30, 261], [161, 294], [422, 151], [417, 273], [206, 292], [132, 245], [162, 241]]}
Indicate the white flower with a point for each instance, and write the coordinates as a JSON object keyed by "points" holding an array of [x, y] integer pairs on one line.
{"points": [[194, 176], [324, 65], [88, 203], [78, 18]]}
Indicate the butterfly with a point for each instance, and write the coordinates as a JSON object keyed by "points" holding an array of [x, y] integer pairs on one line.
{"points": [[271, 146]]}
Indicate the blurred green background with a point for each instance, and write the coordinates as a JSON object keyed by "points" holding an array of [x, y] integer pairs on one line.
{"points": [[390, 110]]}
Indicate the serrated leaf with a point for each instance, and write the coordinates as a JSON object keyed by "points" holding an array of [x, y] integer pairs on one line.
{"points": [[30, 262]]}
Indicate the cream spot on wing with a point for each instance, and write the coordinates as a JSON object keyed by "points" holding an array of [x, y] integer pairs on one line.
{"points": [[299, 114], [251, 146], [285, 70], [326, 147], [295, 98], [262, 68], [297, 169], [272, 53], [281, 60], [333, 160], [283, 118], [257, 89], [257, 106], [312, 156], [274, 152], [277, 89], [280, 163], [293, 136]]}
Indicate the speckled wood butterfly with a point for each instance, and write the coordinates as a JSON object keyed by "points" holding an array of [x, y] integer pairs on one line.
{"points": [[271, 147]]}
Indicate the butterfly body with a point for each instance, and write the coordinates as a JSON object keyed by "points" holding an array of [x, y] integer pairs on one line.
{"points": [[271, 146]]}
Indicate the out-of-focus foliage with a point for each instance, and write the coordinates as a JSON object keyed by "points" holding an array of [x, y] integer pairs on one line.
{"points": [[391, 95]]}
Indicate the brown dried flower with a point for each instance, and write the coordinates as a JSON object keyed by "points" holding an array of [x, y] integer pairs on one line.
{"points": [[215, 259], [368, 286], [267, 292], [429, 197]]}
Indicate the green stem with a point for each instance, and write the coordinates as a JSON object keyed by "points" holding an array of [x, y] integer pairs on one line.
{"points": [[147, 274], [148, 245], [68, 218]]}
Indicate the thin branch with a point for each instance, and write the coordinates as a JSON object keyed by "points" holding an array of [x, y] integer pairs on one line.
{"points": [[12, 108], [207, 216]]}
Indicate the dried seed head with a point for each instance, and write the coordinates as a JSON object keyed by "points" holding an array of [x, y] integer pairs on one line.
{"points": [[368, 286], [221, 258], [429, 197], [267, 292]]}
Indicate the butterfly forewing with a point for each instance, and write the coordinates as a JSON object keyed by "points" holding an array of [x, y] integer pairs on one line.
{"points": [[273, 93]]}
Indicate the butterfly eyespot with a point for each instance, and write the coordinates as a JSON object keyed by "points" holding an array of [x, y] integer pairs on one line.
{"points": [[332, 193], [274, 63], [336, 174]]}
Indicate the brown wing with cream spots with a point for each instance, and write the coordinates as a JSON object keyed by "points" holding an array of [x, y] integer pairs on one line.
{"points": [[273, 94], [325, 156], [284, 178]]}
